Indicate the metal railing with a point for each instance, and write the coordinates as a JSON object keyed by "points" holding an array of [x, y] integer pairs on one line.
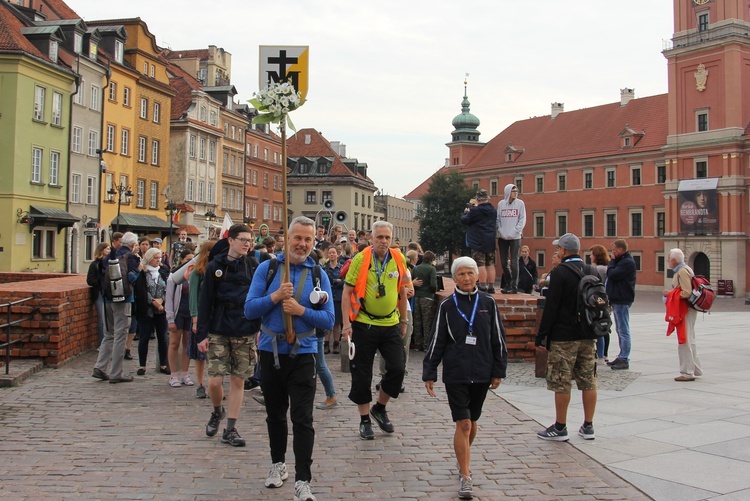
{"points": [[10, 324]]}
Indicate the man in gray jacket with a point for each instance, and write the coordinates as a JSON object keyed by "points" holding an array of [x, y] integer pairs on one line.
{"points": [[511, 219]]}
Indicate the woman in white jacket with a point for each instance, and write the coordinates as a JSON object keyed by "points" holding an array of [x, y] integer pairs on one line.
{"points": [[179, 323]]}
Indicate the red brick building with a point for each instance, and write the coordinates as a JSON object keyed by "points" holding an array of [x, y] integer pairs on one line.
{"points": [[663, 171]]}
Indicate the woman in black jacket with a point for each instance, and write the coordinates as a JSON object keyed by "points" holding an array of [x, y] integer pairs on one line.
{"points": [[150, 296], [527, 274], [97, 268]]}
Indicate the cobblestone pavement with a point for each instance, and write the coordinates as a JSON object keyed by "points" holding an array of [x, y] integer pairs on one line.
{"points": [[66, 435]]}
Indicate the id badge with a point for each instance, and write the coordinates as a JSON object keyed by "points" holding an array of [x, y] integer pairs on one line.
{"points": [[471, 340]]}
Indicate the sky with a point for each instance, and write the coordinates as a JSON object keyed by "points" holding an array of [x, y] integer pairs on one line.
{"points": [[387, 77]]}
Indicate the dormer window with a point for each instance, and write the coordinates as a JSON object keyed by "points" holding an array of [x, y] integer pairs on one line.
{"points": [[324, 167], [512, 153], [93, 48], [77, 43], [304, 168], [626, 142], [53, 50], [629, 138], [119, 51]]}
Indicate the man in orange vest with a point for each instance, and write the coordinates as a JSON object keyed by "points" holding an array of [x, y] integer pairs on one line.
{"points": [[374, 309]]}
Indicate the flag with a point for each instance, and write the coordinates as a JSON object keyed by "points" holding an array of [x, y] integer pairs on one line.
{"points": [[176, 216], [225, 226]]}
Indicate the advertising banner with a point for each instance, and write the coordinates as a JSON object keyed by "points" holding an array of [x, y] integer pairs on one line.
{"points": [[698, 202]]}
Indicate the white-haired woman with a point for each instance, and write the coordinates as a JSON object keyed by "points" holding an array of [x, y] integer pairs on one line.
{"points": [[150, 295], [469, 338]]}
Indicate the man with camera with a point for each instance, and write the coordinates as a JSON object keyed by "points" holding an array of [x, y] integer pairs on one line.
{"points": [[480, 217]]}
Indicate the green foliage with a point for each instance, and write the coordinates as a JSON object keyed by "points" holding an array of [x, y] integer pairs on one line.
{"points": [[440, 228]]}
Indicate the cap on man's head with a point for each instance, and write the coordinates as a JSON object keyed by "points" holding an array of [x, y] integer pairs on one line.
{"points": [[568, 242], [343, 240], [156, 241], [482, 195]]}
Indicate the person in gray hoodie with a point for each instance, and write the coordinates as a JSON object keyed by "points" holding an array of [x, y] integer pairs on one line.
{"points": [[511, 219]]}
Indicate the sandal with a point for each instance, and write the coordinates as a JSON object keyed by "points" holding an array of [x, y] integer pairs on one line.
{"points": [[187, 381], [174, 382]]}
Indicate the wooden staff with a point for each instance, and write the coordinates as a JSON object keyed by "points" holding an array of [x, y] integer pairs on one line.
{"points": [[291, 337]]}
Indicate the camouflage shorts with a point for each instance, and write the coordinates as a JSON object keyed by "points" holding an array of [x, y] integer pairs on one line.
{"points": [[233, 355], [570, 360], [483, 258]]}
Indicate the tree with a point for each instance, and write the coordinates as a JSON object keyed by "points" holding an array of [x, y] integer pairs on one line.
{"points": [[440, 228]]}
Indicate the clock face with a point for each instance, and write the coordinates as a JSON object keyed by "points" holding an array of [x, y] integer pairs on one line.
{"points": [[700, 2]]}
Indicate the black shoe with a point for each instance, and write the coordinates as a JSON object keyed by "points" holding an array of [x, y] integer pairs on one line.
{"points": [[365, 431], [165, 370], [232, 438], [213, 423], [326, 349], [382, 419], [200, 392], [482, 288], [128, 356], [554, 434], [100, 374], [509, 290], [136, 337], [121, 379], [611, 362], [620, 365], [251, 383], [491, 289], [141, 372]]}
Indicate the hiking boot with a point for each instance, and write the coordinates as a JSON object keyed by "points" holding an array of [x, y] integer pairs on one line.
{"points": [[302, 491], [100, 374], [587, 432], [620, 365], [382, 419], [466, 488], [365, 431], [232, 438], [201, 392], [214, 421], [277, 475], [554, 434]]}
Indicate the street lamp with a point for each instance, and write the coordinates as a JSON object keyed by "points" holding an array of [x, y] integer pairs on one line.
{"points": [[210, 217], [120, 190], [169, 210]]}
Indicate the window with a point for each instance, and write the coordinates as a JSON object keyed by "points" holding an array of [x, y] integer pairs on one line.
{"points": [[661, 174], [611, 178], [191, 146], [540, 259], [626, 142], [637, 258], [145, 68], [40, 94], [702, 119], [191, 190], [126, 97], [92, 50], [540, 184], [265, 179], [111, 138], [234, 131], [119, 51], [225, 163], [266, 211], [265, 154], [153, 71], [125, 142], [561, 182], [231, 199], [141, 193], [310, 197], [276, 184], [80, 97], [519, 184], [44, 243], [144, 108], [213, 121], [326, 195], [493, 188], [202, 150], [212, 151], [701, 169], [562, 224], [201, 189], [54, 168], [154, 152], [255, 211], [210, 193], [157, 112], [75, 188], [95, 97], [233, 166], [91, 197], [661, 223], [77, 43], [255, 151], [53, 50], [224, 198], [660, 263], [76, 141], [611, 224], [154, 195], [635, 176], [113, 92], [141, 149], [202, 115], [57, 109], [276, 159], [93, 143], [255, 178], [588, 225], [356, 198], [588, 180], [703, 22], [90, 246], [636, 224], [539, 225]]}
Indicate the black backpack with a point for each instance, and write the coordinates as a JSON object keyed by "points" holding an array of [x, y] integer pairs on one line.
{"points": [[592, 303], [273, 267], [117, 289]]}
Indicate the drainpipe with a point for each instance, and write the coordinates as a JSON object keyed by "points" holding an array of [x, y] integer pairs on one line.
{"points": [[100, 167], [69, 254]]}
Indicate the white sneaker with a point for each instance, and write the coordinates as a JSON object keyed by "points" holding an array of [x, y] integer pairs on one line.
{"points": [[302, 491], [277, 475]]}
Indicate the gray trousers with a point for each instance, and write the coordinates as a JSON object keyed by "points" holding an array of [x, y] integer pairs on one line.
{"points": [[513, 247], [690, 364], [112, 348]]}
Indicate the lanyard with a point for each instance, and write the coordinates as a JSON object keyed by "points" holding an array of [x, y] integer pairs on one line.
{"points": [[473, 312], [379, 271]]}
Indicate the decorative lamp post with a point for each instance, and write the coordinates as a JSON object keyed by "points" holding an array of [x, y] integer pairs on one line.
{"points": [[121, 191], [210, 218], [169, 210]]}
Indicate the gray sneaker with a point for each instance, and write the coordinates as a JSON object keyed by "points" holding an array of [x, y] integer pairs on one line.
{"points": [[466, 488], [554, 434], [302, 491], [277, 475], [587, 432], [200, 392]]}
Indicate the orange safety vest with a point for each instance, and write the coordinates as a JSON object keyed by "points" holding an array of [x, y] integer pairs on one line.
{"points": [[360, 287]]}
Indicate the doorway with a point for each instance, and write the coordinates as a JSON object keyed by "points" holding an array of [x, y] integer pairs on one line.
{"points": [[702, 265]]}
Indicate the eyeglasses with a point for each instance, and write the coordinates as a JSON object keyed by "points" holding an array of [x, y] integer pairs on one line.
{"points": [[244, 240]]}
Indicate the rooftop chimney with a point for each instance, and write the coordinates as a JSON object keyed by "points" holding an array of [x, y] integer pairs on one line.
{"points": [[557, 108], [626, 95]]}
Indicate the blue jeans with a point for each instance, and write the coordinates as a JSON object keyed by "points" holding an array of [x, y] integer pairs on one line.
{"points": [[322, 370], [622, 324]]}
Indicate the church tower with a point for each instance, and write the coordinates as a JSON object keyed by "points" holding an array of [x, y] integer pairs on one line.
{"points": [[465, 136], [706, 160]]}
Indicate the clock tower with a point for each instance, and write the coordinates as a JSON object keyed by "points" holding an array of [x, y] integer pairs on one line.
{"points": [[707, 148]]}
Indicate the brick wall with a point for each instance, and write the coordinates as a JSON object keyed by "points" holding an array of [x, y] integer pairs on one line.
{"points": [[520, 314], [65, 323]]}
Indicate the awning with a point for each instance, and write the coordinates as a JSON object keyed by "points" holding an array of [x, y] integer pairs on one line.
{"points": [[141, 223], [51, 216]]}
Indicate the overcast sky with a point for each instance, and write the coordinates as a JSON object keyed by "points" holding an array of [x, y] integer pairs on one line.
{"points": [[386, 77]]}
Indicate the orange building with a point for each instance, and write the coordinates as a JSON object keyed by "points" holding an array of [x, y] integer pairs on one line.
{"points": [[663, 171]]}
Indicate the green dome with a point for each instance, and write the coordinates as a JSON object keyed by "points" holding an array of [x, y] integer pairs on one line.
{"points": [[465, 120]]}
